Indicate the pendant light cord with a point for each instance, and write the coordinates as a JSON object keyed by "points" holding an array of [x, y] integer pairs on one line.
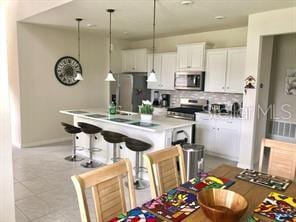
{"points": [[110, 43], [154, 24], [78, 36], [79, 41]]}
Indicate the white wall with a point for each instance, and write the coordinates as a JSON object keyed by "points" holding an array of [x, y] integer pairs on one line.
{"points": [[275, 22], [219, 39], [42, 96], [264, 79], [6, 176], [284, 57]]}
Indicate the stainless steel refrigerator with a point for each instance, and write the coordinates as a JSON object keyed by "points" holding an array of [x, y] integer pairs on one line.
{"points": [[131, 89]]}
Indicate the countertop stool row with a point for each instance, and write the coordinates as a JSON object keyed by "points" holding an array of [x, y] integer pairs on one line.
{"points": [[114, 138]]}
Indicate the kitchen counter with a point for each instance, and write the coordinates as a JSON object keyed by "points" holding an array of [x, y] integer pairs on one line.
{"points": [[160, 134], [219, 115], [159, 123]]}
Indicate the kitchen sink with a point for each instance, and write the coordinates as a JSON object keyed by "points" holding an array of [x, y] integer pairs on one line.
{"points": [[144, 124], [96, 116], [119, 120]]}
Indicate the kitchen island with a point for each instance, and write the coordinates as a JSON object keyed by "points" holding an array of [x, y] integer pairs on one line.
{"points": [[160, 133]]}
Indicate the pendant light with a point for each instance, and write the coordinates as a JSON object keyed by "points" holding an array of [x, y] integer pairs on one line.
{"points": [[78, 75], [110, 77], [152, 76]]}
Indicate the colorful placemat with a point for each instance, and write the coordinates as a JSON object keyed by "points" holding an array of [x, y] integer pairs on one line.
{"points": [[278, 207], [136, 215], [197, 184], [252, 218], [175, 205], [264, 179]]}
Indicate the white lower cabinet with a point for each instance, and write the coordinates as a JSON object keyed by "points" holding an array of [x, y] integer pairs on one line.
{"points": [[221, 137], [205, 135]]}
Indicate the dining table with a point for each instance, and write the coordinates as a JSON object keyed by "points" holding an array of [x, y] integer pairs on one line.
{"points": [[253, 193]]}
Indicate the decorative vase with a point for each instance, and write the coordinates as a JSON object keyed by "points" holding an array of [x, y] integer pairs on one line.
{"points": [[146, 118]]}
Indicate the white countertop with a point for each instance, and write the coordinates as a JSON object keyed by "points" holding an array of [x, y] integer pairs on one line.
{"points": [[162, 122], [222, 116]]}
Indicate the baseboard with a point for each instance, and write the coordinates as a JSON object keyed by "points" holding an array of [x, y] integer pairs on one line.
{"points": [[243, 166], [221, 156], [46, 142]]}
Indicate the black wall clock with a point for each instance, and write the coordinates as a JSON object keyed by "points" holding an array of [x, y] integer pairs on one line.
{"points": [[66, 70]]}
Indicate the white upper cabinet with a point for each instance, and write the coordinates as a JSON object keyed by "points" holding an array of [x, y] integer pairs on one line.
{"points": [[134, 60], [191, 57], [168, 69], [182, 57], [216, 70], [235, 70], [225, 70], [165, 67]]}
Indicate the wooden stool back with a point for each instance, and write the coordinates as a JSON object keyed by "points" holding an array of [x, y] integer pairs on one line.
{"points": [[163, 170], [282, 159], [107, 190]]}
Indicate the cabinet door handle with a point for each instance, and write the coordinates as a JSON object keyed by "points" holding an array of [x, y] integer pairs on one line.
{"points": [[227, 87], [223, 87], [188, 66]]}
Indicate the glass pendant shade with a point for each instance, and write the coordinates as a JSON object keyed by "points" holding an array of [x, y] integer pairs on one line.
{"points": [[78, 76], [110, 77], [152, 77]]}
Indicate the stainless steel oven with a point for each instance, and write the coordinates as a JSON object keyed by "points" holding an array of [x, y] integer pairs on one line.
{"points": [[190, 80]]}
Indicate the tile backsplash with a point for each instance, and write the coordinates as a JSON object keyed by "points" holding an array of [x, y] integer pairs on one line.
{"points": [[221, 98]]}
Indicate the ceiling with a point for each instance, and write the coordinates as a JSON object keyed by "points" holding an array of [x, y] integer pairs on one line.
{"points": [[133, 18]]}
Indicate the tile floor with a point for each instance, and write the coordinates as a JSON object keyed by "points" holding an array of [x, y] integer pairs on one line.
{"points": [[44, 191]]}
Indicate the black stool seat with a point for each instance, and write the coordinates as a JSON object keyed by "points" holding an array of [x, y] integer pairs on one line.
{"points": [[89, 128], [112, 137], [136, 145], [71, 129]]}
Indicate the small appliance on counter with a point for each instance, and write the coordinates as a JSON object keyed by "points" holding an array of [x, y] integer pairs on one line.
{"points": [[165, 100], [156, 98], [218, 108], [235, 109]]}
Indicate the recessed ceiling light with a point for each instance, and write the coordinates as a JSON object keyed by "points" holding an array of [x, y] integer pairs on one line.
{"points": [[90, 25], [220, 17], [186, 2]]}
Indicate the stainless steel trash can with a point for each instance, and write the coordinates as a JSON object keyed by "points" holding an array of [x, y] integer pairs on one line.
{"points": [[194, 159]]}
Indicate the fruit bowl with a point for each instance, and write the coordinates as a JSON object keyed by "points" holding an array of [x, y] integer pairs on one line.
{"points": [[222, 205]]}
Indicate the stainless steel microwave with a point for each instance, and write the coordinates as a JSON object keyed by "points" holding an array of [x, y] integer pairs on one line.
{"points": [[190, 80]]}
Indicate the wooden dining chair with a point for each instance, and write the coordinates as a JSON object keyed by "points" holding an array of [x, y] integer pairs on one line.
{"points": [[163, 171], [107, 190], [282, 158]]}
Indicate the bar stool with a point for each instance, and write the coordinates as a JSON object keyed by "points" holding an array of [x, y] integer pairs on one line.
{"points": [[138, 147], [73, 131], [115, 139], [90, 130]]}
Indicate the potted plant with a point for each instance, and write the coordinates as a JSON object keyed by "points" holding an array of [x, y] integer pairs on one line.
{"points": [[146, 110]]}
